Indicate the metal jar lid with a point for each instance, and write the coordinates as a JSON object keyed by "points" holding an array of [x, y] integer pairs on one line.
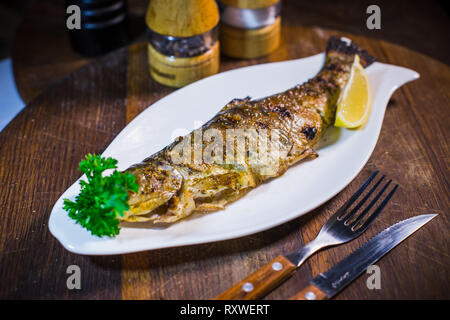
{"points": [[249, 18]]}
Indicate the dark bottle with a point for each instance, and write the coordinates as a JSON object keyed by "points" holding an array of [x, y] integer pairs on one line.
{"points": [[104, 26]]}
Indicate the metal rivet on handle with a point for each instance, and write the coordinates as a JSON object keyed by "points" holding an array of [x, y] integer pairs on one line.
{"points": [[310, 295], [277, 266], [247, 287]]}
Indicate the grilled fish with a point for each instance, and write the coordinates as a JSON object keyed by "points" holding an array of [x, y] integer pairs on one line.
{"points": [[170, 189]]}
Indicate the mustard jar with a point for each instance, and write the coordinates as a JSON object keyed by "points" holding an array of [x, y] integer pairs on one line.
{"points": [[249, 28]]}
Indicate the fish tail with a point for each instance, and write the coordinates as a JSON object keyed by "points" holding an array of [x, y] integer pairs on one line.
{"points": [[345, 46]]}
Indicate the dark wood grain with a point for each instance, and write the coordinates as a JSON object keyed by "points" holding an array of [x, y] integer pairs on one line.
{"points": [[83, 112], [41, 50], [38, 155]]}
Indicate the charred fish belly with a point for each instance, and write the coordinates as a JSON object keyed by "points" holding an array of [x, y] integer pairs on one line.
{"points": [[246, 143]]}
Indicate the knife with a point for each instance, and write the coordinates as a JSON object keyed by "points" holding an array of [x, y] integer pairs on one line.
{"points": [[327, 285]]}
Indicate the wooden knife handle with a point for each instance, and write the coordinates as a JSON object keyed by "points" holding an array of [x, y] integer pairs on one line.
{"points": [[311, 292], [261, 282]]}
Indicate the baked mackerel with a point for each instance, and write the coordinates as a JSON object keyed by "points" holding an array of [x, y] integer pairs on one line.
{"points": [[176, 182]]}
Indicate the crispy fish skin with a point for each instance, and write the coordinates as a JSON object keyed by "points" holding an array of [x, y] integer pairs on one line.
{"points": [[170, 190]]}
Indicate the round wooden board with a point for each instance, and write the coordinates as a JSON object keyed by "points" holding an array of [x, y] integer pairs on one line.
{"points": [[40, 150]]}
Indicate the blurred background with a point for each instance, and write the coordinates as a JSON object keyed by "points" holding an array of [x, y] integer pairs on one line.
{"points": [[419, 25], [35, 49]]}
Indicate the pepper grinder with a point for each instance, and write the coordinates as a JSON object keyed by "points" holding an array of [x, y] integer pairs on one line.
{"points": [[249, 28], [183, 44], [103, 28]]}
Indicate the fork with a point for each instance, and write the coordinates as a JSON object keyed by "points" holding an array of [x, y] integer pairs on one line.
{"points": [[340, 228]]}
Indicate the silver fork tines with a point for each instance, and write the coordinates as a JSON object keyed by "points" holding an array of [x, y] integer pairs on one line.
{"points": [[343, 226]]}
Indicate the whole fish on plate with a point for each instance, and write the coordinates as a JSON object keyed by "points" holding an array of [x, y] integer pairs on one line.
{"points": [[204, 171]]}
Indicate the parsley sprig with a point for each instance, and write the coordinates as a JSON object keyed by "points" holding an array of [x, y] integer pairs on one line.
{"points": [[101, 199]]}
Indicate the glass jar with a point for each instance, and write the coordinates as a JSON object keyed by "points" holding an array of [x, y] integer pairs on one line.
{"points": [[249, 29]]}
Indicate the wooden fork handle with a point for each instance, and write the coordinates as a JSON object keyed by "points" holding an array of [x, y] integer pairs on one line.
{"points": [[261, 282], [311, 292]]}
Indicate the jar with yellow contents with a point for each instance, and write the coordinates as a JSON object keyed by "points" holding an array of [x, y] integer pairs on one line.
{"points": [[249, 28]]}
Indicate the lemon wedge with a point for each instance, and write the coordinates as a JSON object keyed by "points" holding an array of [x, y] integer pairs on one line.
{"points": [[353, 106]]}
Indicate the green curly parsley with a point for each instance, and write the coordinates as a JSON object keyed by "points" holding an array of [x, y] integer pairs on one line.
{"points": [[102, 199]]}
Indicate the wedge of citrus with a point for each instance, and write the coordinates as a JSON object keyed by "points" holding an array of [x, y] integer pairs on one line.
{"points": [[353, 106]]}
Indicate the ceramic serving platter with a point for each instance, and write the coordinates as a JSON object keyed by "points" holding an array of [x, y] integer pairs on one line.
{"points": [[307, 185]]}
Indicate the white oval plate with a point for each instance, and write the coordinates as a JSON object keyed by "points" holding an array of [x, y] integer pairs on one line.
{"points": [[301, 189]]}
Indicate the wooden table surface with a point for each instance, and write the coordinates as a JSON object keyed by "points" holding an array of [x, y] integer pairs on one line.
{"points": [[40, 150]]}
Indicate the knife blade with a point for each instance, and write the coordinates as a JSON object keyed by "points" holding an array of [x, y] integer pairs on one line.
{"points": [[328, 284]]}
